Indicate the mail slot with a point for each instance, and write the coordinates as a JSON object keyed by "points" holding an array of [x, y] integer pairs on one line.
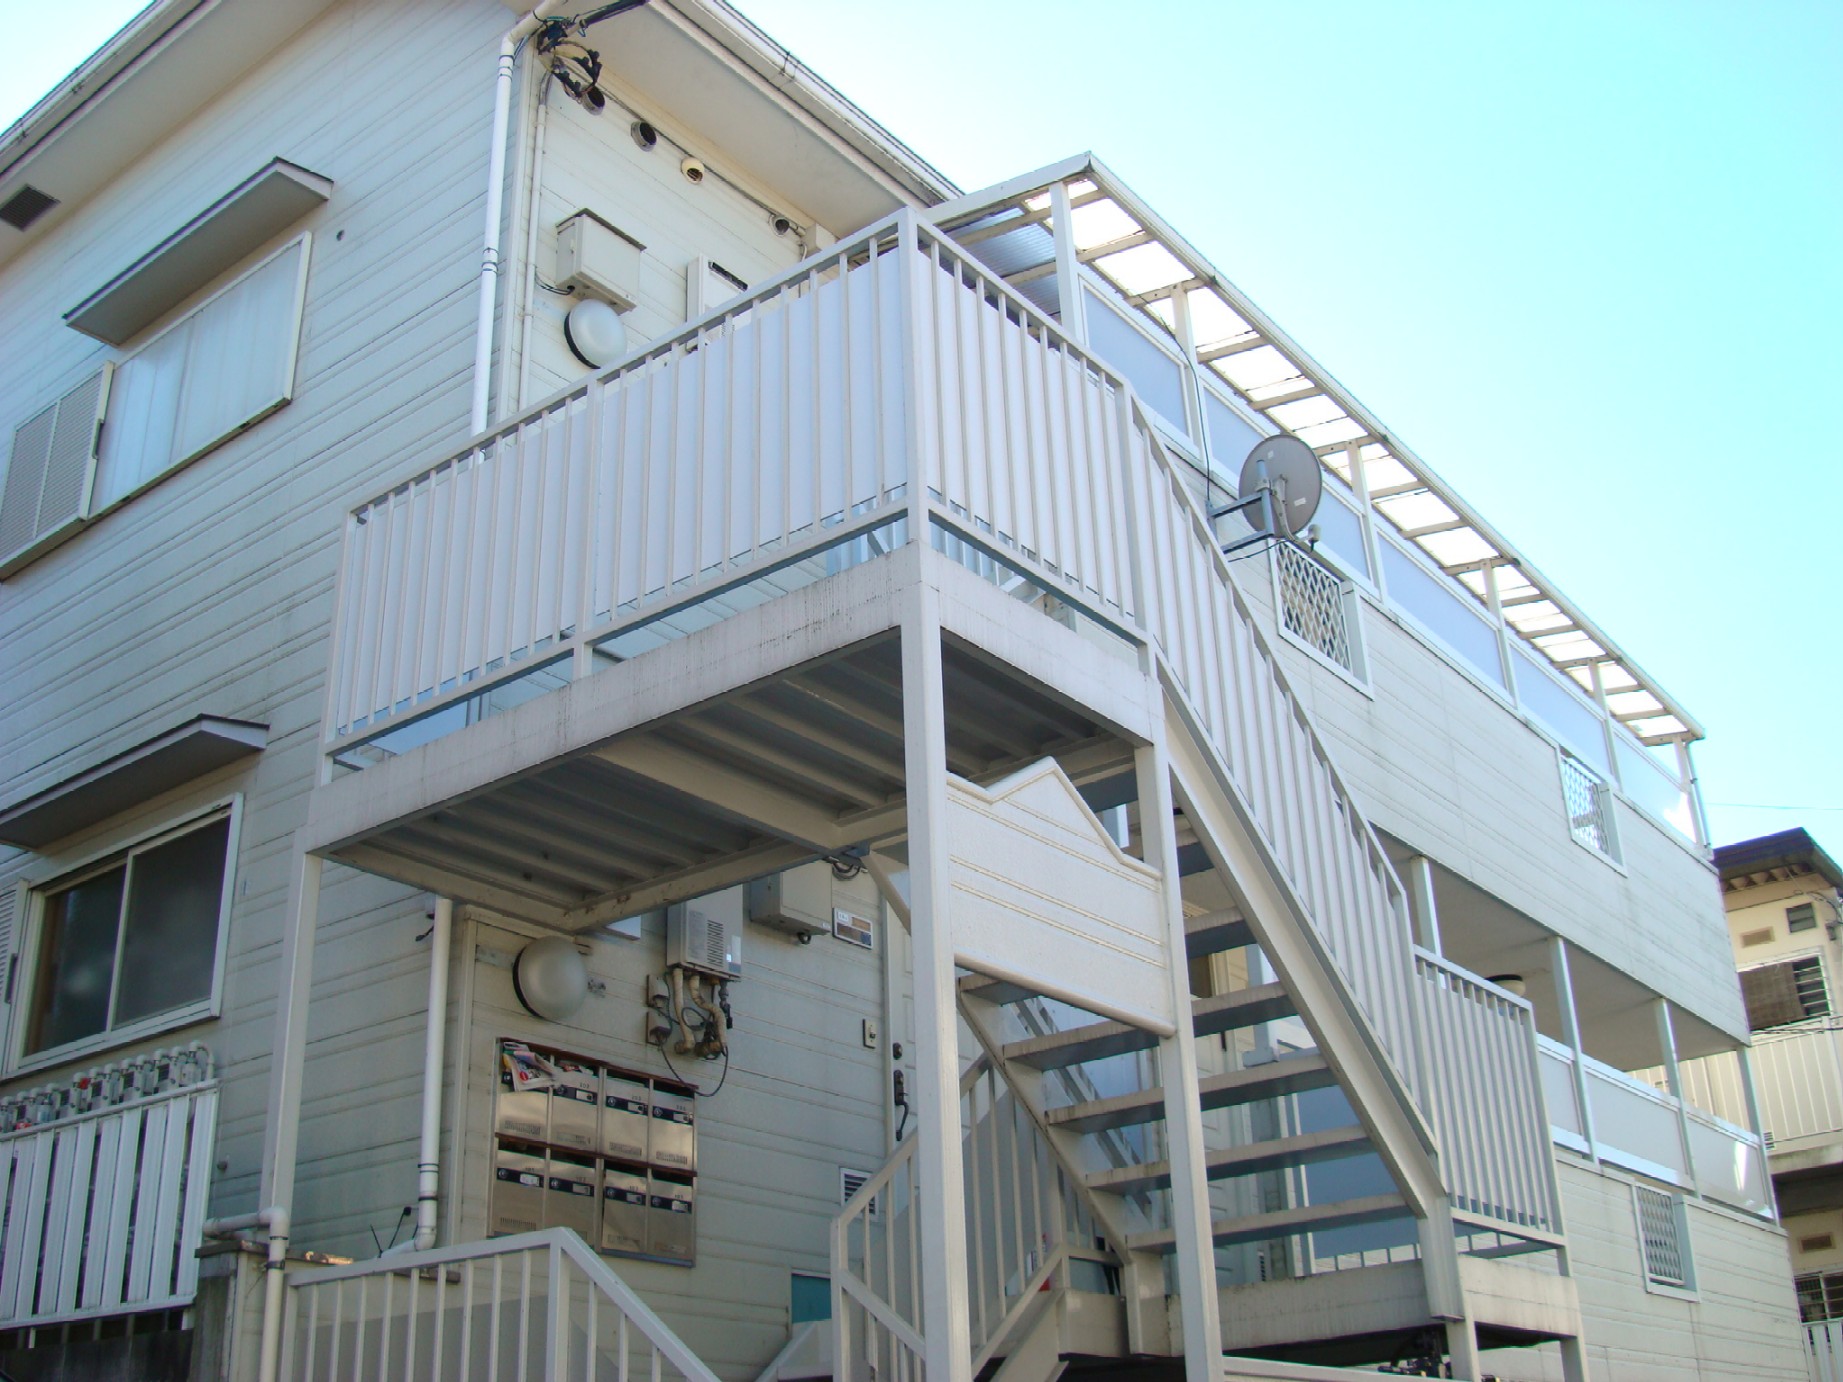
{"points": [[575, 1099], [624, 1211], [675, 1142], [523, 1106], [518, 1189], [571, 1195], [626, 1111], [672, 1231]]}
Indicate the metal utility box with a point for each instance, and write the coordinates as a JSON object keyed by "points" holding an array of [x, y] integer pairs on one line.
{"points": [[575, 1099], [672, 1231], [599, 259], [675, 1134], [797, 902], [624, 1209], [522, 1109], [706, 935], [572, 1196], [626, 1113], [518, 1189]]}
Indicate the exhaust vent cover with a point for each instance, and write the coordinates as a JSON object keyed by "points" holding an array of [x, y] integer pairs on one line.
{"points": [[26, 206]]}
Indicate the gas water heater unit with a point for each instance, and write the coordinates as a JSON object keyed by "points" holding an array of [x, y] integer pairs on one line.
{"points": [[705, 936]]}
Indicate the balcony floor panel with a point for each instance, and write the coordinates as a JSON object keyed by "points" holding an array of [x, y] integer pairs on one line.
{"points": [[743, 780]]}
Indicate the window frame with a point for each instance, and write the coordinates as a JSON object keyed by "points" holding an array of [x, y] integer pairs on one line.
{"points": [[97, 508], [1678, 1205], [67, 872], [1799, 917], [1351, 598]]}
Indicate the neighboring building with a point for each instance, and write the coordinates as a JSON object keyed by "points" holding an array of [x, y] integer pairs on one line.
{"points": [[853, 660], [1781, 895]]}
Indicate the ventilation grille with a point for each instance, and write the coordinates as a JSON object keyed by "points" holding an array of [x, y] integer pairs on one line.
{"points": [[850, 1182], [26, 206], [1660, 1238], [49, 473], [1820, 1242], [1756, 937]]}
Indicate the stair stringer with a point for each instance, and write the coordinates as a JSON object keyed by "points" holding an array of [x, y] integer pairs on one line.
{"points": [[1283, 928]]}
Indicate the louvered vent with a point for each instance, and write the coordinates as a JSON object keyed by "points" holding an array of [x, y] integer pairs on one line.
{"points": [[49, 472], [26, 206], [1756, 937], [850, 1182]]}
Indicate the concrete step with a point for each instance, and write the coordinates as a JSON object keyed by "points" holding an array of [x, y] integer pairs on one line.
{"points": [[1293, 1075], [1283, 1223], [1096, 1040], [1225, 1163]]}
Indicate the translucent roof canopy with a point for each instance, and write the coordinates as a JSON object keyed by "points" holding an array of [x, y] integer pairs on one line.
{"points": [[1155, 270]]}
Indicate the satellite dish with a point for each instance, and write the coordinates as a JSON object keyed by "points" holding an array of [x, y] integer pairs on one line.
{"points": [[1293, 475]]}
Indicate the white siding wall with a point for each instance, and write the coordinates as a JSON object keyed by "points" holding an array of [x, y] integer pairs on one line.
{"points": [[591, 161], [804, 1096], [1741, 1323], [212, 592]]}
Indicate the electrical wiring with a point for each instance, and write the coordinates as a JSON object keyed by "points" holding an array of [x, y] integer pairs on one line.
{"points": [[678, 1020]]}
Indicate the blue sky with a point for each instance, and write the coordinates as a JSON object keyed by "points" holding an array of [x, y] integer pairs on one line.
{"points": [[1586, 259]]}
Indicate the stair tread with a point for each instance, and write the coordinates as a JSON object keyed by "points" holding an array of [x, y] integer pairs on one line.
{"points": [[1280, 1223], [989, 990], [1096, 1040], [1216, 931], [1290, 1076], [1224, 1163]]}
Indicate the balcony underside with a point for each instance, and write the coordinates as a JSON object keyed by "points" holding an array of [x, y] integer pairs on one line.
{"points": [[766, 740]]}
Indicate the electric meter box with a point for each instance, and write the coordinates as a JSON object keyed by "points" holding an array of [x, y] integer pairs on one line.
{"points": [[599, 259], [706, 935], [797, 902]]}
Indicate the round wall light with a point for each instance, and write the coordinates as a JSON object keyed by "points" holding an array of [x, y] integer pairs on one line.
{"points": [[550, 979], [595, 333]]}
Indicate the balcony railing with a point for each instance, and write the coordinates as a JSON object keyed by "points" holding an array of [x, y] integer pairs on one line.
{"points": [[1642, 1128], [102, 1199]]}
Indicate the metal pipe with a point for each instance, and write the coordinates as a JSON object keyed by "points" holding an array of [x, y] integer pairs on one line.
{"points": [[495, 198], [275, 1220], [428, 1162]]}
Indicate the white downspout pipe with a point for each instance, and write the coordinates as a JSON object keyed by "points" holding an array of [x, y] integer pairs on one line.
{"points": [[495, 197], [428, 1162]]}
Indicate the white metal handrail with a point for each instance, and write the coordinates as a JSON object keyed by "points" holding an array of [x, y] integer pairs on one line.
{"points": [[538, 1305], [1483, 1066], [1153, 568], [1824, 1350], [770, 429], [1025, 1226], [103, 1211], [1635, 1124]]}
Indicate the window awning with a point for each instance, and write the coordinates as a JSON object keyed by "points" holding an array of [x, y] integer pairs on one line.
{"points": [[235, 225], [139, 774]]}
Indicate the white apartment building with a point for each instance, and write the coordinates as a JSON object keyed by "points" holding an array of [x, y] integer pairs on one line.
{"points": [[639, 736]]}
